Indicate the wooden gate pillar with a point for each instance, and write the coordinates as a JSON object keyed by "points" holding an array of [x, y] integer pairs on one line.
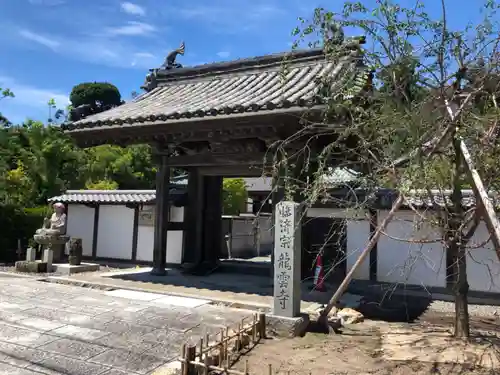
{"points": [[162, 215]]}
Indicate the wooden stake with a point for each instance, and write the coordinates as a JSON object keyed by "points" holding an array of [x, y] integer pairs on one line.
{"points": [[206, 369], [221, 348], [190, 369], [246, 367], [183, 357], [262, 325], [254, 328], [201, 349], [342, 288], [270, 369]]}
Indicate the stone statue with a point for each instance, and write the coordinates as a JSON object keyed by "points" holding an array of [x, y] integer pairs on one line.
{"points": [[56, 224], [170, 60], [52, 236]]}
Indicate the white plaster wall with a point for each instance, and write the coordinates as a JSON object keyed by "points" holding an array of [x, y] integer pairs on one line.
{"points": [[145, 239], [358, 235], [145, 243], [483, 266], [420, 264], [114, 237], [410, 263], [81, 225]]}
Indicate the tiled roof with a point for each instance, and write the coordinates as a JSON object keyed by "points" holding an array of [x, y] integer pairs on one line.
{"points": [[335, 177], [439, 198], [223, 89], [442, 199], [109, 196]]}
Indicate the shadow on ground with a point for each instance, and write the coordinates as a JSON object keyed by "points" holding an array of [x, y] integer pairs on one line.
{"points": [[405, 309]]}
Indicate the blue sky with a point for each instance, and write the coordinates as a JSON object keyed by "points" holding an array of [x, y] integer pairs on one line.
{"points": [[48, 46]]}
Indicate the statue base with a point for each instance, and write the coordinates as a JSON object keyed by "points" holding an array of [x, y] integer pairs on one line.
{"points": [[57, 243]]}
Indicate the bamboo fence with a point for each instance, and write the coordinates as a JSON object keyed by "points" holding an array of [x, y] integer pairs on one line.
{"points": [[221, 353]]}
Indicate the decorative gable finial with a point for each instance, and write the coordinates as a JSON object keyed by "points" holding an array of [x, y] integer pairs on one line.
{"points": [[170, 60]]}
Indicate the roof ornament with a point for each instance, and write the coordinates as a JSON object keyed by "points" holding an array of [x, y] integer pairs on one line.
{"points": [[170, 60], [333, 34]]}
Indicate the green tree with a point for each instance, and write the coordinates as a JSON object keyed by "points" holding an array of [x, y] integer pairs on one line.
{"points": [[102, 185], [98, 95], [235, 196], [420, 80]]}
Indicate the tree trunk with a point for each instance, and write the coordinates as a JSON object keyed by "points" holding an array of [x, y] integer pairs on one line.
{"points": [[461, 289], [456, 245]]}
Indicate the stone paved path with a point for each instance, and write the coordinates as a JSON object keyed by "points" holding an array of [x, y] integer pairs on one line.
{"points": [[53, 329]]}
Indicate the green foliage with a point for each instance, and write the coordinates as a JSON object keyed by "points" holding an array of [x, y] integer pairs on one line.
{"points": [[18, 224], [235, 196], [96, 94], [102, 185]]}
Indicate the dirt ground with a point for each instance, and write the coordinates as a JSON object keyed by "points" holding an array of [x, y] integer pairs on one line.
{"points": [[380, 348]]}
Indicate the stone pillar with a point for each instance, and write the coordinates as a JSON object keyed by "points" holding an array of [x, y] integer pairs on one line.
{"points": [[48, 257], [287, 259], [31, 254], [161, 216], [278, 194]]}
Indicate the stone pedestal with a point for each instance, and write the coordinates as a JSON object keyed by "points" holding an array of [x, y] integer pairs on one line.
{"points": [[56, 243], [287, 260]]}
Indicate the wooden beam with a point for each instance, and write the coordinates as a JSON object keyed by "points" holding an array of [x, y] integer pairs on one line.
{"points": [[95, 233], [217, 160], [482, 198], [135, 233], [374, 239]]}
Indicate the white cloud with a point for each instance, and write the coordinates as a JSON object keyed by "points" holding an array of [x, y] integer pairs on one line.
{"points": [[132, 8], [40, 39], [101, 49], [223, 54], [29, 99], [131, 29], [143, 58]]}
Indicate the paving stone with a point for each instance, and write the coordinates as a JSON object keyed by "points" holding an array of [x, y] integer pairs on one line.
{"points": [[39, 323], [79, 333], [66, 317], [118, 372], [10, 306], [20, 356], [120, 326], [20, 336], [129, 361], [182, 301], [72, 348], [130, 342], [134, 295], [13, 370], [166, 351], [10, 317], [161, 335], [168, 312], [165, 322], [121, 314], [65, 365]]}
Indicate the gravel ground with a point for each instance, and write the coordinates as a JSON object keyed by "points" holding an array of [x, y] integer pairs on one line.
{"points": [[475, 310]]}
